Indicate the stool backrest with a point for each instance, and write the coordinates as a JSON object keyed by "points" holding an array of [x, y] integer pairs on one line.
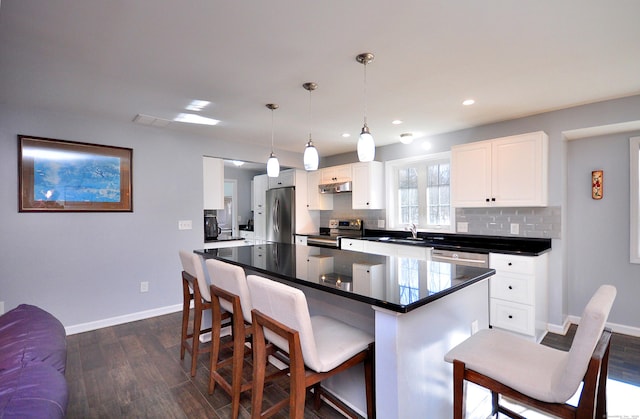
{"points": [[287, 305], [192, 265], [231, 278], [592, 323]]}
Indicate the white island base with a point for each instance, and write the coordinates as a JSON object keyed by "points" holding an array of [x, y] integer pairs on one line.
{"points": [[412, 378]]}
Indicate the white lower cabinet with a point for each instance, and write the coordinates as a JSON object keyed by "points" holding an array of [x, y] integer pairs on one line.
{"points": [[259, 256], [518, 299]]}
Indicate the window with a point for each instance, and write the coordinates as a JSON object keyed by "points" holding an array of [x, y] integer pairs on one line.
{"points": [[634, 153], [419, 192]]}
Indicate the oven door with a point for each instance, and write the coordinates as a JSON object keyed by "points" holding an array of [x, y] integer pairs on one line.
{"points": [[322, 241]]}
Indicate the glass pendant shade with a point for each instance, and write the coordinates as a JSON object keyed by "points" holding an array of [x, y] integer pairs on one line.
{"points": [[366, 146], [310, 157], [273, 166]]}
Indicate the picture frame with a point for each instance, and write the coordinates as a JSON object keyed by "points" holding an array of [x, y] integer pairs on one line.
{"points": [[597, 184], [67, 176]]}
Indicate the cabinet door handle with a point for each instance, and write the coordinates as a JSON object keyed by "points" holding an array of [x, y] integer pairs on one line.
{"points": [[510, 316], [510, 264], [493, 200], [510, 287], [487, 199]]}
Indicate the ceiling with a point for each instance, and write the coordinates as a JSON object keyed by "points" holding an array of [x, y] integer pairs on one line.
{"points": [[118, 58]]}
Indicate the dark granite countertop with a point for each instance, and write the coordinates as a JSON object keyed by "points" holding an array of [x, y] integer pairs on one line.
{"points": [[467, 242], [403, 284], [224, 239]]}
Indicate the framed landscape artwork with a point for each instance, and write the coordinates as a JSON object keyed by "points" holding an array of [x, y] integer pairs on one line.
{"points": [[66, 176]]}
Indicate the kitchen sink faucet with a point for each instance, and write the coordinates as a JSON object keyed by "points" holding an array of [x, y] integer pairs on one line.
{"points": [[414, 231]]}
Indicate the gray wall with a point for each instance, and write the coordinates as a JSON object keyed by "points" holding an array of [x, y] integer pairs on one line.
{"points": [[88, 267], [568, 255]]}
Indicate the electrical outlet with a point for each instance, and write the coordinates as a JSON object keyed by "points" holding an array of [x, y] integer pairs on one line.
{"points": [[144, 286], [380, 223], [462, 227], [515, 228], [474, 327], [185, 225]]}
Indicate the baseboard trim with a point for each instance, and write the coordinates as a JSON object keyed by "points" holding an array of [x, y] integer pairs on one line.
{"points": [[615, 327], [113, 321]]}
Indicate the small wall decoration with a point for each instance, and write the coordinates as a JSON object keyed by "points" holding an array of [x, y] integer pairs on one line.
{"points": [[596, 184], [64, 176]]}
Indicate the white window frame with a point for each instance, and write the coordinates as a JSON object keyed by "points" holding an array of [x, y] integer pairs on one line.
{"points": [[391, 167], [634, 177]]}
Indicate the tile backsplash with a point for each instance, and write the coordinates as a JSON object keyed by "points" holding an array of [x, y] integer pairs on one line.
{"points": [[532, 222], [342, 211]]}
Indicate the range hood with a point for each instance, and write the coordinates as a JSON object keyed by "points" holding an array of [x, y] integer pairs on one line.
{"points": [[340, 187]]}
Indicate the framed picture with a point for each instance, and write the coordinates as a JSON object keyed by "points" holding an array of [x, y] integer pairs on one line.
{"points": [[597, 184], [63, 176]]}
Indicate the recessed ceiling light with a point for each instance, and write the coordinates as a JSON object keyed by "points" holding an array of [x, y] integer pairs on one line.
{"points": [[346, 135], [396, 122], [468, 102], [237, 163], [190, 118], [426, 145], [197, 105], [406, 138]]}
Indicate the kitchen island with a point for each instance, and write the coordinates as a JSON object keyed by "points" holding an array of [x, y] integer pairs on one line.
{"points": [[421, 309]]}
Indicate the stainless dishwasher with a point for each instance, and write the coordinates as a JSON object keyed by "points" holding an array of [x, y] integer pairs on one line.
{"points": [[480, 260]]}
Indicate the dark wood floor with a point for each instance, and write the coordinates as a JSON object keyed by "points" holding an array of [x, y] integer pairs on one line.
{"points": [[134, 370]]}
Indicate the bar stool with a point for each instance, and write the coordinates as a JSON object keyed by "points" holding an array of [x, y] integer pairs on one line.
{"points": [[537, 375], [194, 287], [230, 294], [318, 346]]}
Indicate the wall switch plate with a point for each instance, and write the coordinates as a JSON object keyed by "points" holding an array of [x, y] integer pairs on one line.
{"points": [[380, 223], [515, 228], [462, 227], [474, 327], [185, 225], [144, 286]]}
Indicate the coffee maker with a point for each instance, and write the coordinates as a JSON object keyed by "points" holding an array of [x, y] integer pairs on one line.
{"points": [[211, 228]]}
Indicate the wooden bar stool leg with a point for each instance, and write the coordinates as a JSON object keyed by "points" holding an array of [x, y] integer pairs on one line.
{"points": [[237, 362], [259, 367], [369, 382], [216, 326], [197, 323], [185, 319], [458, 390]]}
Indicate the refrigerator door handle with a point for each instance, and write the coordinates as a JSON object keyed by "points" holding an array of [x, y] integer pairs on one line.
{"points": [[276, 216]]}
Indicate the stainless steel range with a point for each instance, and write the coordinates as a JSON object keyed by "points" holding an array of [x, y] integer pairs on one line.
{"points": [[337, 229]]}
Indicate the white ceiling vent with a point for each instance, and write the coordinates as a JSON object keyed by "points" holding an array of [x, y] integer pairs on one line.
{"points": [[151, 120]]}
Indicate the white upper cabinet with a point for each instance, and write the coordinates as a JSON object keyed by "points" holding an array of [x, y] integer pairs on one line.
{"points": [[285, 178], [213, 182], [260, 185], [505, 172], [368, 185], [316, 200], [336, 174]]}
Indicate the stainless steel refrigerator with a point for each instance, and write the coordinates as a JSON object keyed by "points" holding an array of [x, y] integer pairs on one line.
{"points": [[280, 215]]}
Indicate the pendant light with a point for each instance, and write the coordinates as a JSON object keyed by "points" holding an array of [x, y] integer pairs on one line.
{"points": [[366, 145], [273, 166], [310, 157]]}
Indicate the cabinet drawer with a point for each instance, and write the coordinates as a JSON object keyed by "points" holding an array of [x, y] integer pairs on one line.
{"points": [[515, 287], [351, 244], [510, 263], [512, 316]]}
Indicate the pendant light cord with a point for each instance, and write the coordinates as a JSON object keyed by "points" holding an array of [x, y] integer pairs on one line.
{"points": [[310, 116], [365, 93], [271, 131]]}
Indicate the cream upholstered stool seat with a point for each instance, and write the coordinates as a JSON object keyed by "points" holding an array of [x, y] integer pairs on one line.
{"points": [[325, 345], [194, 287], [537, 375], [230, 294]]}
